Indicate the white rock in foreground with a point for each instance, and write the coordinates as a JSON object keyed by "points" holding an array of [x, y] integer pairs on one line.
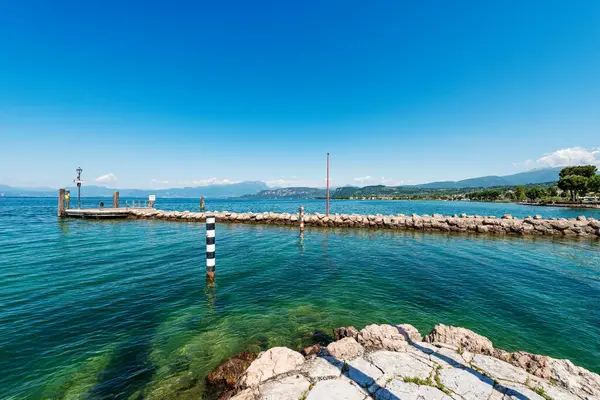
{"points": [[345, 349], [272, 362], [398, 389], [336, 390], [414, 370]]}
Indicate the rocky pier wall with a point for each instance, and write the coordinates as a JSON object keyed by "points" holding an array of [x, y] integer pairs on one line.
{"points": [[506, 225], [394, 362]]}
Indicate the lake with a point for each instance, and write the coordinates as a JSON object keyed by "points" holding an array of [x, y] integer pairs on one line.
{"points": [[121, 309]]}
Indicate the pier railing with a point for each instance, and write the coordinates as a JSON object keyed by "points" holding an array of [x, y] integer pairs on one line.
{"points": [[138, 204], [103, 204]]}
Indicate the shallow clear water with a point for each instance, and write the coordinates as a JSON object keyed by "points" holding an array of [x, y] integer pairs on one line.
{"points": [[121, 309]]}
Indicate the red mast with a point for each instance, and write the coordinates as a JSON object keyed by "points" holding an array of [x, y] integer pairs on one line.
{"points": [[327, 203]]}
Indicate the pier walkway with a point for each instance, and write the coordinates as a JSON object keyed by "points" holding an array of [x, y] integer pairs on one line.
{"points": [[98, 213]]}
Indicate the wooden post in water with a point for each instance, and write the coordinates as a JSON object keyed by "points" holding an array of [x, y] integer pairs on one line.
{"points": [[202, 203], [68, 199], [116, 200], [61, 203], [210, 247]]}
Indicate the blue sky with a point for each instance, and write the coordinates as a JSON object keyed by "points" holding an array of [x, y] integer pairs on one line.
{"points": [[163, 94]]}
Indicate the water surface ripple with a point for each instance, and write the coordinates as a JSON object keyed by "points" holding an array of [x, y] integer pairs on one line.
{"points": [[121, 309]]}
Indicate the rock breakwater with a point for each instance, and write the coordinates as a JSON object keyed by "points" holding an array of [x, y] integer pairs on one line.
{"points": [[506, 225], [391, 362]]}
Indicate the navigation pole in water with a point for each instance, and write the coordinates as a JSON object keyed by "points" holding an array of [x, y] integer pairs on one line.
{"points": [[210, 247], [327, 201], [78, 182]]}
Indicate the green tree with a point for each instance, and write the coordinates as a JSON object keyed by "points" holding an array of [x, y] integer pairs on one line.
{"points": [[493, 195], [553, 191], [535, 193], [574, 184], [587, 171], [594, 184], [566, 183], [520, 193]]}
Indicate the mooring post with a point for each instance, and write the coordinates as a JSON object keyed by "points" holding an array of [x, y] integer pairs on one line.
{"points": [[116, 200], [61, 203], [68, 199], [301, 218], [202, 203], [210, 247]]}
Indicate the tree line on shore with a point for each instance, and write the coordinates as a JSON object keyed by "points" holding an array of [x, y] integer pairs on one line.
{"points": [[573, 183]]}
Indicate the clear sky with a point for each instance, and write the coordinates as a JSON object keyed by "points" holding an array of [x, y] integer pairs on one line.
{"points": [[161, 94]]}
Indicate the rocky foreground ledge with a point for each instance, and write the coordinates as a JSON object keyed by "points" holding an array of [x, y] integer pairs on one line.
{"points": [[507, 225], [390, 362]]}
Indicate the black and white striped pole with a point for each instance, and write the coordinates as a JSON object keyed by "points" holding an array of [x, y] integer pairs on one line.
{"points": [[210, 246], [301, 218]]}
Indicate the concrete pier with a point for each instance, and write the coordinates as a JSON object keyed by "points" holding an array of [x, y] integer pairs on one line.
{"points": [[97, 213]]}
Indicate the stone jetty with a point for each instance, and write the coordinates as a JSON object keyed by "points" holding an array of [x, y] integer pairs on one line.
{"points": [[391, 362], [506, 225]]}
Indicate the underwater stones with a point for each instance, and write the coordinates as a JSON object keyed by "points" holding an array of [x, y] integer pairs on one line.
{"points": [[275, 361], [345, 349], [311, 350], [228, 372], [345, 331], [461, 338]]}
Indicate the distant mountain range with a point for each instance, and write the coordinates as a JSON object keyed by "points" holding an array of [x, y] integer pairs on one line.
{"points": [[536, 176], [258, 189], [230, 190], [523, 178]]}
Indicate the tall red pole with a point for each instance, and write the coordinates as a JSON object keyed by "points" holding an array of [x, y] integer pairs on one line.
{"points": [[327, 203]]}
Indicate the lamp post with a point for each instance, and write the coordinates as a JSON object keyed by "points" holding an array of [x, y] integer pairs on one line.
{"points": [[78, 182]]}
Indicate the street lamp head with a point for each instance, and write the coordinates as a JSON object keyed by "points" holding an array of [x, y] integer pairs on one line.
{"points": [[79, 170]]}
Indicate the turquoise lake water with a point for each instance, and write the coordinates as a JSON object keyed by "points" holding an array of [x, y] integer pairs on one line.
{"points": [[121, 309]]}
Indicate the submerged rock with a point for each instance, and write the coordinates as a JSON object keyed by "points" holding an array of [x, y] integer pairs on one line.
{"points": [[228, 373], [311, 350], [345, 331]]}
